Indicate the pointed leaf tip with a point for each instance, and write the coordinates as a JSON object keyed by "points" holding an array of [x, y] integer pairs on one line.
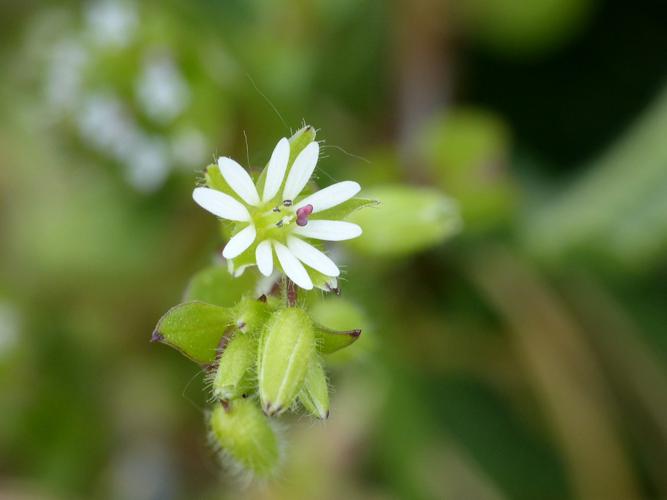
{"points": [[157, 336]]}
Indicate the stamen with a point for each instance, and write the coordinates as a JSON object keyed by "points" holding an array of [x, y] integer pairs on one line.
{"points": [[287, 203], [276, 209], [302, 215]]}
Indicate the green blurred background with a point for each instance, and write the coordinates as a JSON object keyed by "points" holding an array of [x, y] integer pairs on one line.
{"points": [[524, 358]]}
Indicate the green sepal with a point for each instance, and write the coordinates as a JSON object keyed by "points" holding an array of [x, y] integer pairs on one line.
{"points": [[233, 376], [215, 180], [328, 340], [342, 211], [285, 349], [314, 395], [243, 433], [195, 329]]}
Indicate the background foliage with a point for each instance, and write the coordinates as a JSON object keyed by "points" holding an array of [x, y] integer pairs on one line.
{"points": [[525, 358]]}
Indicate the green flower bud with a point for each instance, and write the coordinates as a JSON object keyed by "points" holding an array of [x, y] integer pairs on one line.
{"points": [[233, 375], [195, 329], [285, 350], [245, 436], [409, 219], [314, 395]]}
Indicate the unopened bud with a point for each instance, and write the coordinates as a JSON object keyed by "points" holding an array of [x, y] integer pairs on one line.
{"points": [[245, 436], [232, 377], [250, 314], [285, 350]]}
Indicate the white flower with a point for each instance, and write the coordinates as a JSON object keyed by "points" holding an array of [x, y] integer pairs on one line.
{"points": [[281, 218]]}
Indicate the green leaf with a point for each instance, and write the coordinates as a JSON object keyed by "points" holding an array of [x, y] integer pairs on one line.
{"points": [[195, 329], [215, 285], [314, 395], [328, 340], [342, 211], [336, 320]]}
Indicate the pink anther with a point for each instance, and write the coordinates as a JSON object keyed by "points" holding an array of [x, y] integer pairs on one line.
{"points": [[302, 215]]}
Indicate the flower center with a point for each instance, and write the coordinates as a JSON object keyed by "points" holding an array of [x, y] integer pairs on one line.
{"points": [[275, 222]]}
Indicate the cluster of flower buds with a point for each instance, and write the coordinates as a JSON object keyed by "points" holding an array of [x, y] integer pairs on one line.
{"points": [[263, 352]]}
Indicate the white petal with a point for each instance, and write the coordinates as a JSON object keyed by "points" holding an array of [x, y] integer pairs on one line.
{"points": [[301, 171], [331, 196], [239, 242], [239, 180], [275, 173], [264, 257], [312, 257], [220, 204], [330, 230], [292, 267]]}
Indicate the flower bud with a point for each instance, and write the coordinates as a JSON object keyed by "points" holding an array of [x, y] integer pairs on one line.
{"points": [[285, 350], [245, 436], [314, 395], [233, 372], [250, 314]]}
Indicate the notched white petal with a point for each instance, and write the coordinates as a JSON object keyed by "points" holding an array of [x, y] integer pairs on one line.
{"points": [[301, 170], [239, 180], [292, 267], [312, 257], [329, 230], [220, 204], [264, 258], [331, 196], [239, 242], [275, 172]]}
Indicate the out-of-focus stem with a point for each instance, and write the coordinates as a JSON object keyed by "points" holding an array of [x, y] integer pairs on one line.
{"points": [[423, 70], [564, 372]]}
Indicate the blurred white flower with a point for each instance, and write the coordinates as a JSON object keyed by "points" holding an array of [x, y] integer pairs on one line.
{"points": [[161, 90], [64, 74], [147, 164], [280, 219], [111, 23]]}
